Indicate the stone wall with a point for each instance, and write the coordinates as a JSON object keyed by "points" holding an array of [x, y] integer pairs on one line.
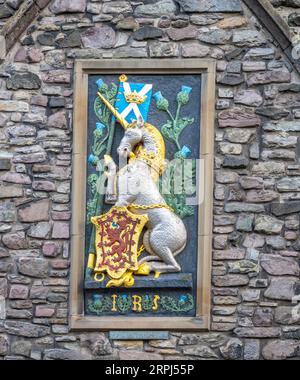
{"points": [[257, 177], [289, 10], [8, 8]]}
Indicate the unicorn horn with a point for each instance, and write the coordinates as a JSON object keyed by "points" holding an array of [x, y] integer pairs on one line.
{"points": [[112, 109]]}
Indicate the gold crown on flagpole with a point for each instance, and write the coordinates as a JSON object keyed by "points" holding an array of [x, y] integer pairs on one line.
{"points": [[123, 78], [134, 97]]}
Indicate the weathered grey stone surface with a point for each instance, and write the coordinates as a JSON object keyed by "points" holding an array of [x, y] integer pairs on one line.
{"points": [[7, 211], [99, 37], [27, 81], [277, 265], [210, 5], [147, 33], [282, 288], [248, 38], [68, 6], [216, 37], [25, 329], [36, 267], [238, 117], [287, 315], [248, 98], [233, 349], [268, 224], [35, 211], [164, 50], [160, 8], [280, 350], [179, 34], [5, 11], [257, 332], [4, 345]]}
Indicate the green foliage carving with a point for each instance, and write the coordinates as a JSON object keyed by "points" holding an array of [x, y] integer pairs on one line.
{"points": [[101, 111], [100, 304], [147, 301], [172, 130], [176, 198], [100, 145], [183, 304], [124, 303]]}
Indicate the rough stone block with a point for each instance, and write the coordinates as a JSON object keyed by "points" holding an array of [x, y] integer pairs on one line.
{"points": [[163, 49], [61, 230], [5, 164], [27, 81], [138, 335], [230, 280], [25, 329], [13, 106], [251, 350], [35, 211], [268, 224], [15, 240], [282, 288], [33, 267], [68, 6], [160, 8], [279, 266], [10, 191], [257, 332], [230, 6], [99, 37], [3, 287], [280, 349], [4, 345], [19, 292], [7, 211], [238, 117]]}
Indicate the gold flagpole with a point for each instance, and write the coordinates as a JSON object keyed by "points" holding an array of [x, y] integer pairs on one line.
{"points": [[112, 109]]}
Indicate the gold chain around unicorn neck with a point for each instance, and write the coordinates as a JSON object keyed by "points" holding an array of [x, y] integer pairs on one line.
{"points": [[150, 207]]}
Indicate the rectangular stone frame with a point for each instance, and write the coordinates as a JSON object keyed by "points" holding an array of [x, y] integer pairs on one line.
{"points": [[207, 69]]}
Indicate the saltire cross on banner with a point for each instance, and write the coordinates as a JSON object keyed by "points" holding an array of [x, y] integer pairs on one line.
{"points": [[133, 100]]}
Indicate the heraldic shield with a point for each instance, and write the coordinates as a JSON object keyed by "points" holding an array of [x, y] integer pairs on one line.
{"points": [[117, 238]]}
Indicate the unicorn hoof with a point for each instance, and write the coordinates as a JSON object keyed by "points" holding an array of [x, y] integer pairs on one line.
{"points": [[144, 270]]}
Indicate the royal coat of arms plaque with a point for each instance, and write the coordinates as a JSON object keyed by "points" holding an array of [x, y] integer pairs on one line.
{"points": [[145, 223]]}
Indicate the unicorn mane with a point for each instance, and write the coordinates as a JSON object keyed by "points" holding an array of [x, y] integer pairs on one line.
{"points": [[152, 150]]}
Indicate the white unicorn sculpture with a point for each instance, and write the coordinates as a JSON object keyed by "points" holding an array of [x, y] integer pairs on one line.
{"points": [[142, 155]]}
